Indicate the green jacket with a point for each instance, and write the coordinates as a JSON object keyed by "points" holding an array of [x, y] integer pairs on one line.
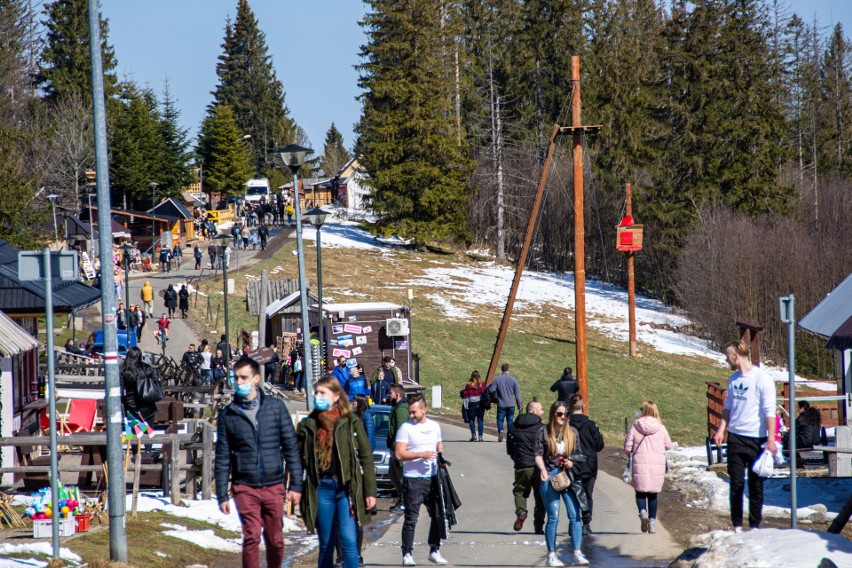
{"points": [[393, 371], [398, 417], [356, 466]]}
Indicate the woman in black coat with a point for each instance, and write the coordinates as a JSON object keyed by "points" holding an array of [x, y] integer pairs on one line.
{"points": [[132, 371], [170, 297], [183, 296]]}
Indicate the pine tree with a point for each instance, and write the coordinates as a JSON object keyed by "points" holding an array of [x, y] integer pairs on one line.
{"points": [[175, 172], [14, 81], [408, 134], [65, 63], [136, 149], [836, 102], [227, 161], [249, 85], [334, 154]]}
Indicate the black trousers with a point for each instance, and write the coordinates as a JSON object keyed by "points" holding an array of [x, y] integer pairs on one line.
{"points": [[742, 453], [589, 487], [420, 491]]}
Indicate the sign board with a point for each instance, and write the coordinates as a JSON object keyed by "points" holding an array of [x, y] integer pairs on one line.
{"points": [[262, 355], [63, 265], [88, 269], [628, 238], [166, 239], [436, 396]]}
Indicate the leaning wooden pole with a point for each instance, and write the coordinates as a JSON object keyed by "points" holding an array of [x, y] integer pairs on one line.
{"points": [[579, 233], [631, 283], [522, 259]]}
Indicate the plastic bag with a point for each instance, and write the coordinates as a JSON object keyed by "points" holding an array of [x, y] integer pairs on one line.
{"points": [[764, 465]]}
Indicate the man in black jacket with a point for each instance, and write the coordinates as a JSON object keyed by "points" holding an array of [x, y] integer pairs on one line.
{"points": [[255, 438], [591, 442], [520, 445], [565, 387]]}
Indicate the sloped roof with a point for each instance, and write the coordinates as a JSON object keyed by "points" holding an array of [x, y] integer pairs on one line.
{"points": [[13, 339], [832, 312], [281, 306], [841, 339], [18, 297], [171, 207]]}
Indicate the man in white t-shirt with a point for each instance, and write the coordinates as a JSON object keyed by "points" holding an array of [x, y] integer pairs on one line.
{"points": [[418, 443], [749, 417]]}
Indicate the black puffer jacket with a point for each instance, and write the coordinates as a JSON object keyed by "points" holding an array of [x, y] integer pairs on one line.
{"points": [[564, 388], [254, 454], [520, 442], [591, 440]]}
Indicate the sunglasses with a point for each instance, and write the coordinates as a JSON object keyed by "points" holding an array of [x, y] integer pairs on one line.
{"points": [[561, 414]]}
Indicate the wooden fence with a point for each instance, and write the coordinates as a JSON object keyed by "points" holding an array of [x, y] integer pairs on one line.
{"points": [[275, 290]]}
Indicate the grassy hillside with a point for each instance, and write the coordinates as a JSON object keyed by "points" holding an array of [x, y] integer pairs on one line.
{"points": [[538, 345]]}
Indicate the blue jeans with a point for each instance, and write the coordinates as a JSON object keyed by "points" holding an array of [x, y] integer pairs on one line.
{"points": [[333, 505], [297, 379], [207, 376], [474, 418], [551, 505], [509, 413]]}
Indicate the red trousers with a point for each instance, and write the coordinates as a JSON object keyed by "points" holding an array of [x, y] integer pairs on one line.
{"points": [[261, 508]]}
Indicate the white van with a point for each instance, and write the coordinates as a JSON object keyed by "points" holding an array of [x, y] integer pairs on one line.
{"points": [[257, 188]]}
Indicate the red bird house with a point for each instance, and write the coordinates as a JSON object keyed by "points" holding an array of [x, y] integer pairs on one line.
{"points": [[628, 237]]}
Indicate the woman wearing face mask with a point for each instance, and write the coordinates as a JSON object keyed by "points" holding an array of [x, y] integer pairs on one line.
{"points": [[340, 475]]}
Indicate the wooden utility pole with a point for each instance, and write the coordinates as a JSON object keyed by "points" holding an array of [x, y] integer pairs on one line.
{"points": [[522, 259], [631, 283]]}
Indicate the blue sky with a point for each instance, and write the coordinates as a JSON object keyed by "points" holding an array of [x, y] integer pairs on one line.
{"points": [[314, 46]]}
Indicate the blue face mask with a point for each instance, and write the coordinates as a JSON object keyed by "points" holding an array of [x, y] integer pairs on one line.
{"points": [[244, 389], [322, 404]]}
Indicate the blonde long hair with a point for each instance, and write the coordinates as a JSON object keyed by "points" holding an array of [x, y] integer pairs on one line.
{"points": [[556, 434], [649, 408], [332, 384]]}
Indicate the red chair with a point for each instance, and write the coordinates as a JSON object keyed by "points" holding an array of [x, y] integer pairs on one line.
{"points": [[80, 416]]}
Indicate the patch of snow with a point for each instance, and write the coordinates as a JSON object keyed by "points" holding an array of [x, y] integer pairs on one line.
{"points": [[814, 496], [208, 540], [41, 548], [450, 311], [205, 511], [338, 235], [774, 548], [161, 554]]}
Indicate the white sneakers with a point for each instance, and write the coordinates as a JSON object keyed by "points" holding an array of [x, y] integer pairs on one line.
{"points": [[738, 530], [643, 515], [408, 560], [553, 560], [436, 558], [579, 559], [652, 526]]}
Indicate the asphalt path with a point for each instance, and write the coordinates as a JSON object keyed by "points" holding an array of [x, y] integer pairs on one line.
{"points": [[482, 474]]}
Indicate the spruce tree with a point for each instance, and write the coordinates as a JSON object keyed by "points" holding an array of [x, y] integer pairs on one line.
{"points": [[136, 149], [334, 154], [408, 134], [65, 64], [249, 85], [836, 103], [175, 172], [227, 159]]}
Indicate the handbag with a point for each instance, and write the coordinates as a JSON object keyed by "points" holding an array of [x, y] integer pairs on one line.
{"points": [[627, 475], [148, 388], [560, 481]]}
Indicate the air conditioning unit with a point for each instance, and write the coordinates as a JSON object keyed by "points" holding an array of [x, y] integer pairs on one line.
{"points": [[396, 327]]}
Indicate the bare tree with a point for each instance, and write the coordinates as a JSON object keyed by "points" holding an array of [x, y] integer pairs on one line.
{"points": [[71, 149]]}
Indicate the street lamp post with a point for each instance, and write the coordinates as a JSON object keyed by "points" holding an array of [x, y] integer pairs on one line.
{"points": [[224, 238], [53, 197], [153, 185], [89, 196], [317, 218], [293, 157]]}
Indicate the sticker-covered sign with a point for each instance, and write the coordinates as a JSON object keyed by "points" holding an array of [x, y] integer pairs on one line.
{"points": [[335, 329], [352, 328], [400, 345], [345, 341], [367, 329], [361, 340], [341, 353], [357, 351]]}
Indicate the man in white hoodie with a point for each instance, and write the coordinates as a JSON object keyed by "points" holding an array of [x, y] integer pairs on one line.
{"points": [[749, 417]]}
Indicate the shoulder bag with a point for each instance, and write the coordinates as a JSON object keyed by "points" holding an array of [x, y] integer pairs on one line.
{"points": [[560, 481], [627, 476], [149, 388]]}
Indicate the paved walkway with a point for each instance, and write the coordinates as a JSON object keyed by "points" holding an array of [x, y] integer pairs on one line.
{"points": [[482, 474], [180, 334]]}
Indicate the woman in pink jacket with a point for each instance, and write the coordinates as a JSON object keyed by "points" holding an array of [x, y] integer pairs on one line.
{"points": [[648, 440]]}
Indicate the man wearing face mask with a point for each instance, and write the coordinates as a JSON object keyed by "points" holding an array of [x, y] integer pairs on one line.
{"points": [[388, 367], [255, 438]]}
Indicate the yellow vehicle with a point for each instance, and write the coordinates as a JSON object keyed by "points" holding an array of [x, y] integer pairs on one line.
{"points": [[214, 216]]}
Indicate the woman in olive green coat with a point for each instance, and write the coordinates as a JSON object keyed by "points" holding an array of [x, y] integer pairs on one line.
{"points": [[339, 473]]}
